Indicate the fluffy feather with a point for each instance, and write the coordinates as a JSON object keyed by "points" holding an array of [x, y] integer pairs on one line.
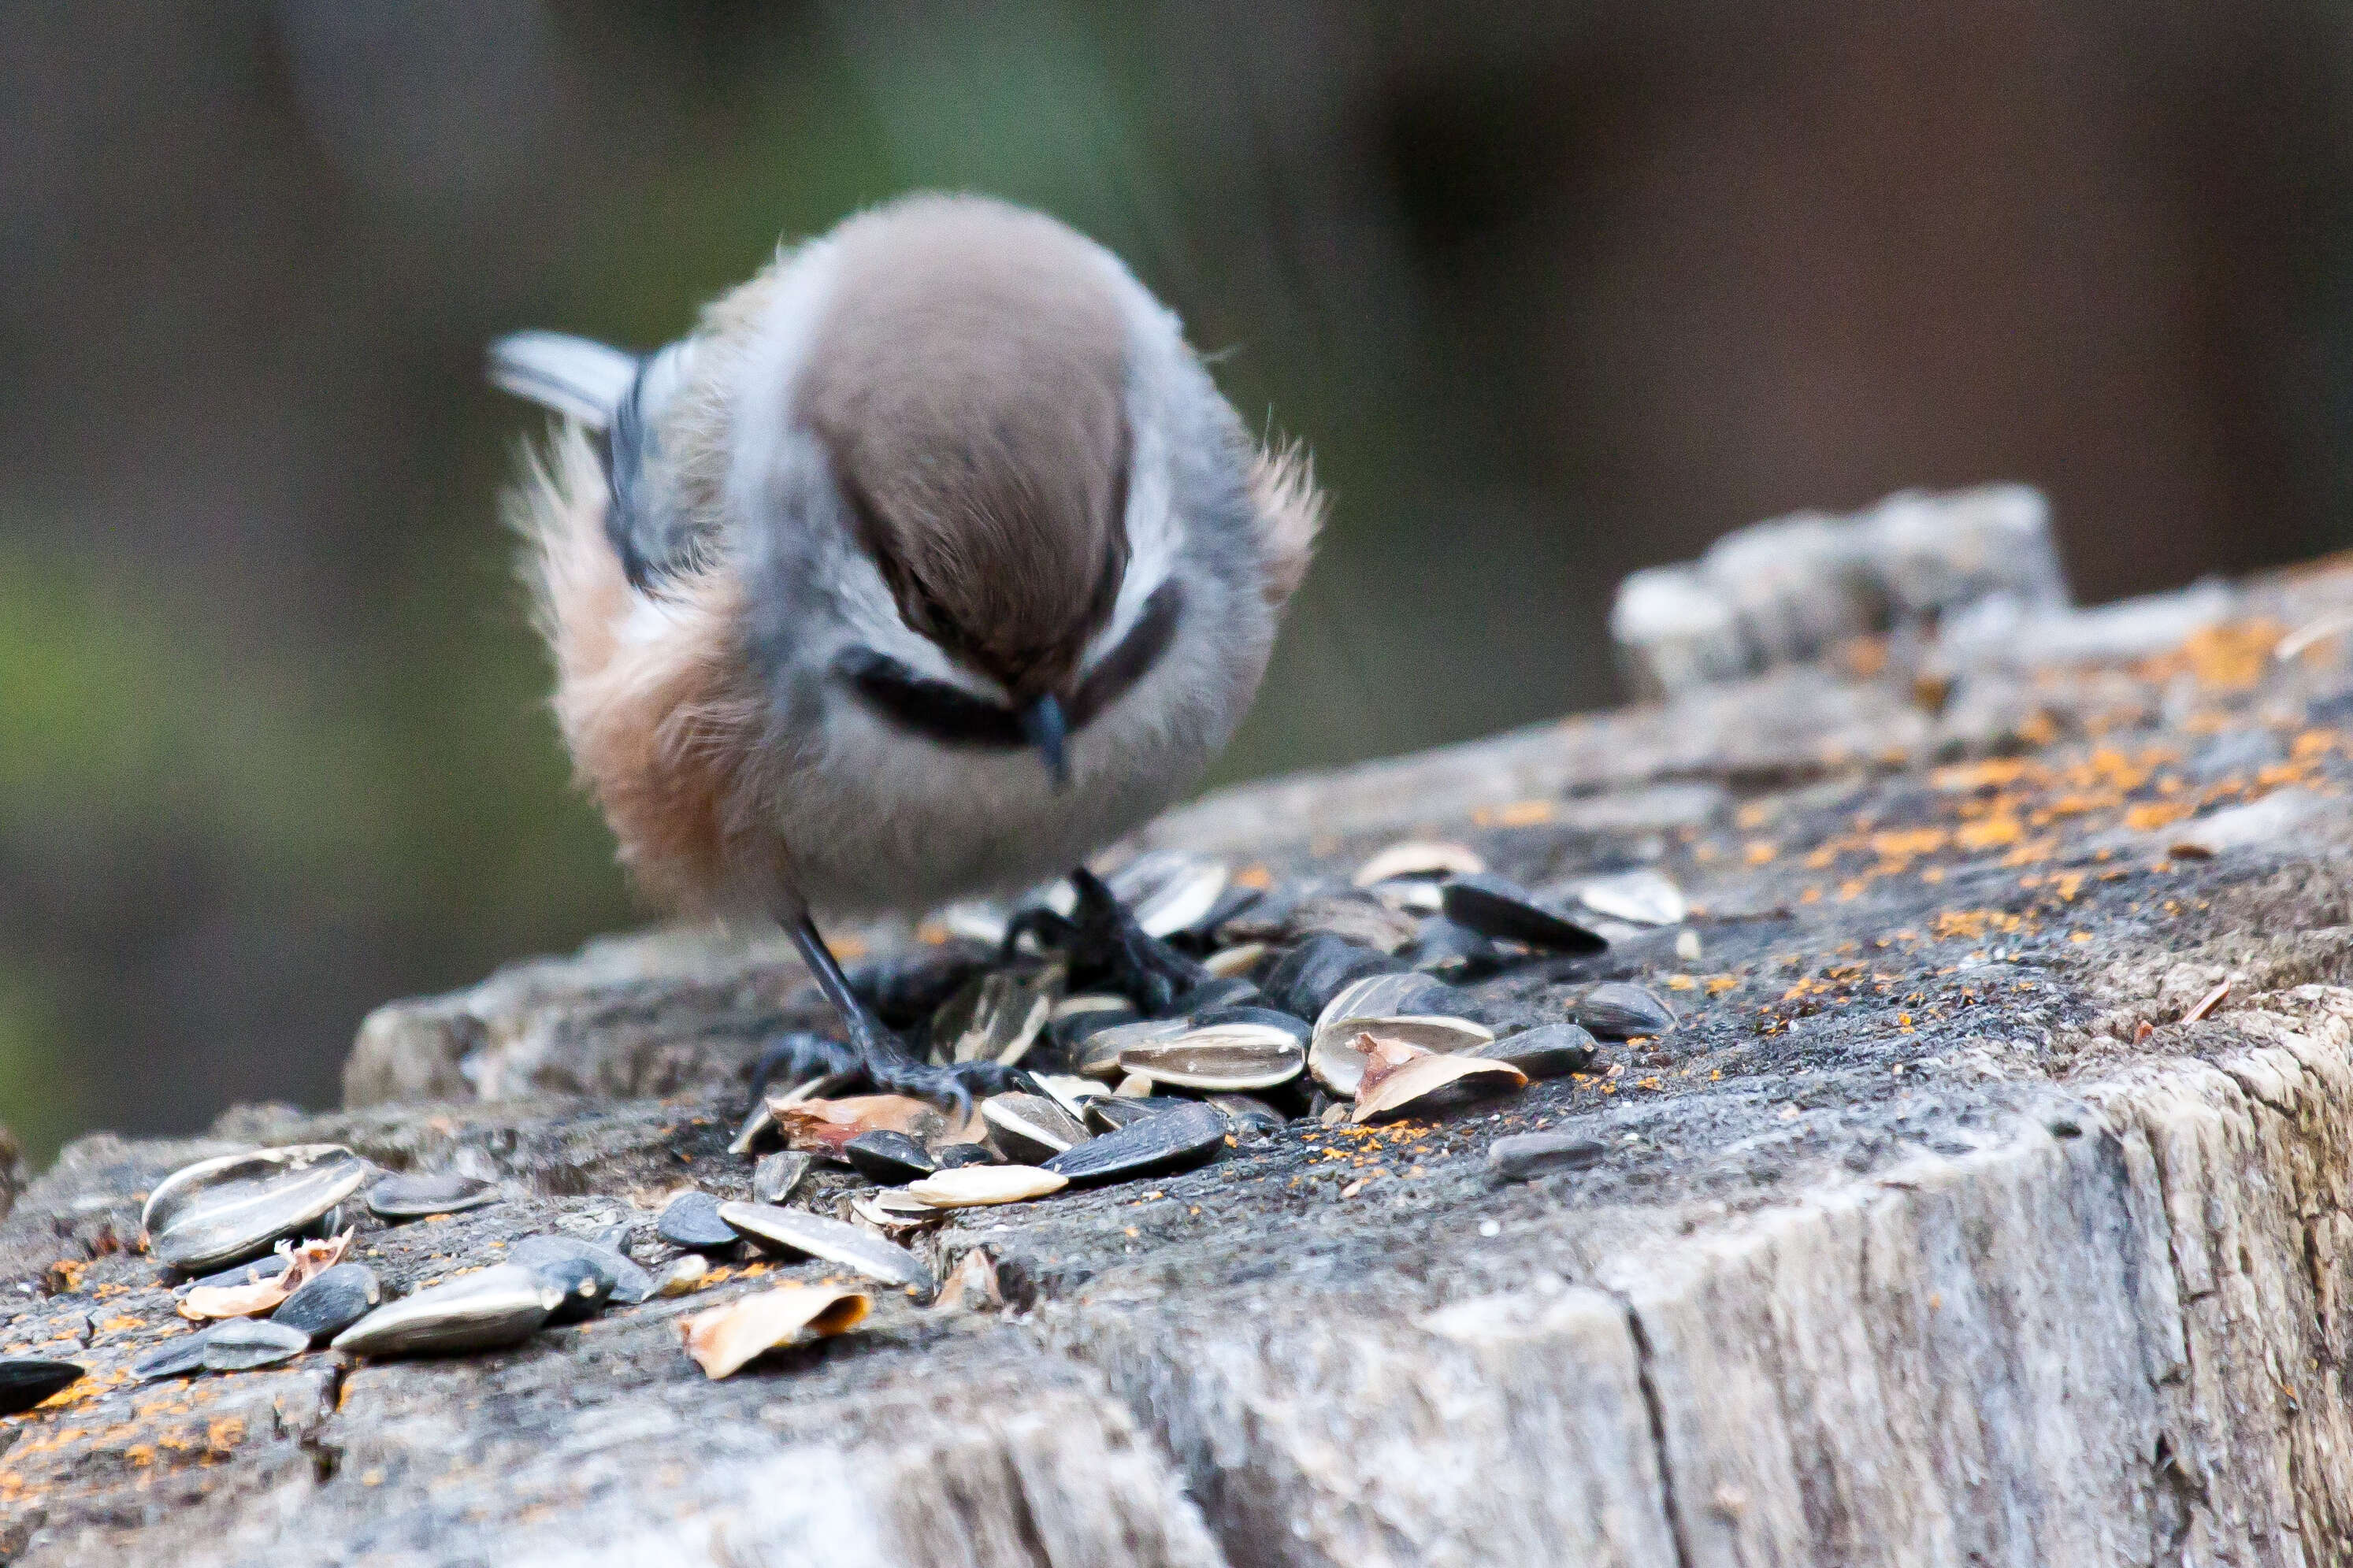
{"points": [[1290, 514], [653, 696]]}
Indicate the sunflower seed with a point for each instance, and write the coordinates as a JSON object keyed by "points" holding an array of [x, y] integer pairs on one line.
{"points": [[1524, 1155], [1296, 1028], [691, 1220], [1385, 996], [1099, 1056], [684, 1275], [1359, 919], [1618, 1011], [252, 1273], [1430, 1081], [1410, 896], [1086, 1004], [1167, 890], [1236, 961], [1643, 896], [893, 1210], [1496, 907], [1445, 948], [1070, 1093], [1317, 969], [1419, 859], [1249, 1118], [996, 1018], [173, 1358], [1111, 1113], [1222, 1057], [889, 1158], [1212, 996], [725, 1339], [591, 1276], [413, 1195], [248, 1342], [1338, 1062], [983, 1185], [331, 1303], [1171, 1140], [1431, 1031], [221, 1210], [1026, 1128], [956, 1156], [776, 1177], [1550, 1050], [498, 1306], [1079, 1019], [25, 1380], [833, 1240]]}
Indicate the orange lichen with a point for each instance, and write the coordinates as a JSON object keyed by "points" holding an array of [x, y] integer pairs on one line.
{"points": [[2151, 816], [1989, 833], [2227, 657]]}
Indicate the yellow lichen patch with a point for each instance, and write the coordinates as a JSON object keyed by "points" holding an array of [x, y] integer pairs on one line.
{"points": [[1969, 925], [1760, 851], [2228, 658], [1908, 844], [1989, 833], [1993, 773], [2033, 852], [2151, 816]]}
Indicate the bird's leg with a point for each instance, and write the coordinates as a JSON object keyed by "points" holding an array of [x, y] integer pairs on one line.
{"points": [[872, 1054], [1102, 937]]}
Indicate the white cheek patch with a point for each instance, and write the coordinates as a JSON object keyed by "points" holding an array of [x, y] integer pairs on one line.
{"points": [[1154, 534], [872, 616]]}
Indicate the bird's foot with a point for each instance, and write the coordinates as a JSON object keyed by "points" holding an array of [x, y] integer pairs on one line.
{"points": [[881, 1064], [1102, 939]]}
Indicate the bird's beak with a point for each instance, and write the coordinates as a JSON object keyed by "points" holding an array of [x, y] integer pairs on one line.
{"points": [[1043, 726]]}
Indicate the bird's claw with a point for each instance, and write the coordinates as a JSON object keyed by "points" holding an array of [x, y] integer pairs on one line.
{"points": [[1103, 936], [801, 1057]]}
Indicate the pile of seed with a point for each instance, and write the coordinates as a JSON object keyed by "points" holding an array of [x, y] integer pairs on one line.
{"points": [[1327, 1004]]}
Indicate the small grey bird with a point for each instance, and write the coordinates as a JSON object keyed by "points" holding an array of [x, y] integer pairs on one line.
{"points": [[929, 564]]}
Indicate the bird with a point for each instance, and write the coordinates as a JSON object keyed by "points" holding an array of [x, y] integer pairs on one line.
{"points": [[927, 564]]}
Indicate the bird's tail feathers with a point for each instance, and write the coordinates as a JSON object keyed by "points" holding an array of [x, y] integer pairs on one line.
{"points": [[576, 377]]}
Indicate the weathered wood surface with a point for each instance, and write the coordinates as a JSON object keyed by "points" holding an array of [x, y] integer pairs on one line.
{"points": [[1931, 1235]]}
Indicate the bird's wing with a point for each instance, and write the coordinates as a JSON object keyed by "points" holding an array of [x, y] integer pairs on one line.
{"points": [[1290, 514], [621, 396]]}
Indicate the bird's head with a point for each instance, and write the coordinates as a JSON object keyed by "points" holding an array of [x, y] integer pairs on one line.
{"points": [[968, 381]]}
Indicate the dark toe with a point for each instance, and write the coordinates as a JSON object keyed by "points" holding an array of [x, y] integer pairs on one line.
{"points": [[797, 1057]]}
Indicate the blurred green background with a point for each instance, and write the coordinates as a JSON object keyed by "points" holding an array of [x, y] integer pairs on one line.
{"points": [[1554, 290]]}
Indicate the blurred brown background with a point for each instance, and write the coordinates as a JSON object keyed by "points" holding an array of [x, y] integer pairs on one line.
{"points": [[1555, 290]]}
